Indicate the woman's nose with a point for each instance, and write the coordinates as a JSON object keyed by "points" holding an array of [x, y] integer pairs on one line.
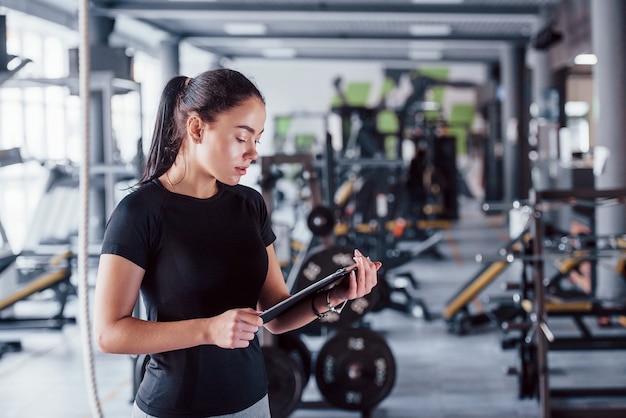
{"points": [[251, 152]]}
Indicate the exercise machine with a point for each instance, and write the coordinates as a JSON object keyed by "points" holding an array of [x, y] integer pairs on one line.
{"points": [[30, 273], [458, 312]]}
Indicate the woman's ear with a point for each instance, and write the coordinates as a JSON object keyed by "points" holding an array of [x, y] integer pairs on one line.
{"points": [[194, 128]]}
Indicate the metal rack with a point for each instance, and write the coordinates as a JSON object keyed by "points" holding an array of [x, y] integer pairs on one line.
{"points": [[545, 340]]}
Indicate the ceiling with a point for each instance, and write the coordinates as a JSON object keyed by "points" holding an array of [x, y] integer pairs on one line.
{"points": [[394, 31]]}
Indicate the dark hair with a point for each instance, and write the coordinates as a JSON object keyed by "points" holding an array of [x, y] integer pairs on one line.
{"points": [[208, 94]]}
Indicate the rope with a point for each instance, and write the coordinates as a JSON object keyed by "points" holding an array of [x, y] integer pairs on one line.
{"points": [[83, 229]]}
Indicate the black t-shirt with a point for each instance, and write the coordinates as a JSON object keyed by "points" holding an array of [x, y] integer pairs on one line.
{"points": [[201, 257]]}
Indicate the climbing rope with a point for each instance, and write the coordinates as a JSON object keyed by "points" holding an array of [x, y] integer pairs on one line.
{"points": [[83, 228]]}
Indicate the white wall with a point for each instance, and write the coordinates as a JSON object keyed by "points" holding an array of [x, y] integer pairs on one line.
{"points": [[307, 86], [294, 86]]}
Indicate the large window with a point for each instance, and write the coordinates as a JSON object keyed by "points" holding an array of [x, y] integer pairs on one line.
{"points": [[41, 115]]}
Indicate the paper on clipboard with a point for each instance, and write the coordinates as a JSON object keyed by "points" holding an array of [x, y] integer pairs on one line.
{"points": [[320, 285]]}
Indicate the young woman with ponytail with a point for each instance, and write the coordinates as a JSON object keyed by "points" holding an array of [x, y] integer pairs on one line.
{"points": [[199, 249]]}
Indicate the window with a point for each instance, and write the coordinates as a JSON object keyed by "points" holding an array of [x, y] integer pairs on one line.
{"points": [[41, 116]]}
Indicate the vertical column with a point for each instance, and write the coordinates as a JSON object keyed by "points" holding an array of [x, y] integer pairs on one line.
{"points": [[99, 30], [3, 43], [608, 38], [512, 71], [492, 173], [169, 58], [541, 73]]}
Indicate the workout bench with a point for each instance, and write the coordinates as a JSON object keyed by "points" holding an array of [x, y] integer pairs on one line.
{"points": [[56, 276], [456, 312]]}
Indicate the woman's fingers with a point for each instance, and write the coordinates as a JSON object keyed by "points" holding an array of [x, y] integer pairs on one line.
{"points": [[237, 327], [366, 277]]}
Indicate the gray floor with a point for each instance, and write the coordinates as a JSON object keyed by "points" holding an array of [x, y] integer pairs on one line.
{"points": [[438, 374]]}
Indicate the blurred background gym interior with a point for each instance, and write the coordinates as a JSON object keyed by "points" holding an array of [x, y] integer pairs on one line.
{"points": [[476, 147]]}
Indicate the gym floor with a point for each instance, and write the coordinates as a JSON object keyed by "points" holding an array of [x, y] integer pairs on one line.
{"points": [[437, 373]]}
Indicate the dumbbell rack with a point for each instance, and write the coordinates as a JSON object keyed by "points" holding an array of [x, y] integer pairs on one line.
{"points": [[539, 330]]}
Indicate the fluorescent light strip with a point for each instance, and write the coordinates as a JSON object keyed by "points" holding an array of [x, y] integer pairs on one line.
{"points": [[429, 30], [245, 28], [585, 59]]}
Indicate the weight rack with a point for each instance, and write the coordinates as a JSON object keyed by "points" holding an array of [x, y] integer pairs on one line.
{"points": [[544, 339]]}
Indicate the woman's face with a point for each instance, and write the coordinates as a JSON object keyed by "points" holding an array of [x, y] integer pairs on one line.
{"points": [[229, 143]]}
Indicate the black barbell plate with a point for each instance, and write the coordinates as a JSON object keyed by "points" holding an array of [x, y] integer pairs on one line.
{"points": [[319, 263], [528, 384], [293, 345], [284, 381], [355, 369], [321, 221]]}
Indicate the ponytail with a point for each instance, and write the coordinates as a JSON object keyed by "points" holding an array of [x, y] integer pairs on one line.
{"points": [[167, 137]]}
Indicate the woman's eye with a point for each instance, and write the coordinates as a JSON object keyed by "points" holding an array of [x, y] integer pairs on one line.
{"points": [[243, 141]]}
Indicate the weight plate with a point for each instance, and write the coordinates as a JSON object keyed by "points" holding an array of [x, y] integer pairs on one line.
{"points": [[293, 345], [355, 369], [321, 221], [284, 381], [528, 383], [319, 263]]}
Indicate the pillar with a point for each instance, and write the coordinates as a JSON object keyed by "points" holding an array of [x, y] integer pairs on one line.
{"points": [[515, 154], [169, 58], [608, 41], [99, 30]]}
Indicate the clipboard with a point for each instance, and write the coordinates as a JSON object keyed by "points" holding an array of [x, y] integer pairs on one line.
{"points": [[327, 282]]}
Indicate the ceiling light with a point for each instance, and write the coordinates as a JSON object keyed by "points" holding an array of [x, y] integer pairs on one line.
{"points": [[585, 59], [245, 28], [575, 109], [279, 52], [430, 30]]}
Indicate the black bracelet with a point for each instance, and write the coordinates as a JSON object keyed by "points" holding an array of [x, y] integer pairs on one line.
{"points": [[336, 310], [315, 311]]}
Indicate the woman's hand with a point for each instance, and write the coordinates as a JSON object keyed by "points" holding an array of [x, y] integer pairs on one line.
{"points": [[235, 328], [357, 284]]}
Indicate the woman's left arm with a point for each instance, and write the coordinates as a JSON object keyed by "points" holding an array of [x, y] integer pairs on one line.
{"points": [[275, 290]]}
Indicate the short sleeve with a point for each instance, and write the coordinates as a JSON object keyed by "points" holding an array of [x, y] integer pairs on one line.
{"points": [[127, 232]]}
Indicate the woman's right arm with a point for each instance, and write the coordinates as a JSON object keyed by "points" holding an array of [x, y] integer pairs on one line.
{"points": [[117, 331]]}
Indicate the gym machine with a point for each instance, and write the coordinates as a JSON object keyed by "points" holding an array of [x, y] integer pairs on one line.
{"points": [[533, 335], [458, 312], [464, 312], [26, 274]]}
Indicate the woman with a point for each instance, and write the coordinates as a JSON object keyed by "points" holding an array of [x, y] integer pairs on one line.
{"points": [[200, 248]]}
